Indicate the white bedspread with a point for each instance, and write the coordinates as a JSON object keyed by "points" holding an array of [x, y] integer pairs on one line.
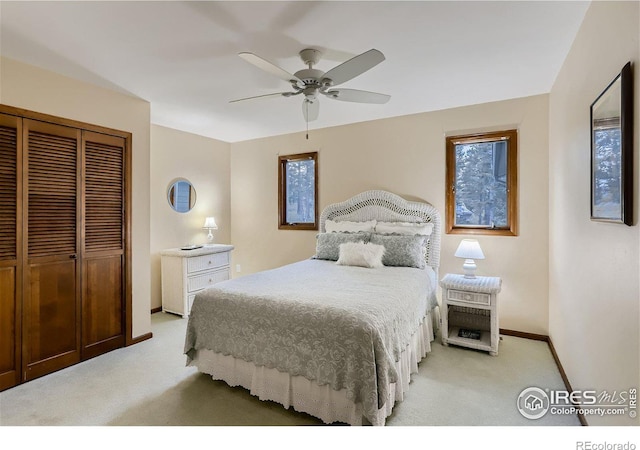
{"points": [[340, 326]]}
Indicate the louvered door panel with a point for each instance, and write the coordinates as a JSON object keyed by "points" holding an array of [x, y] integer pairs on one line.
{"points": [[10, 267], [8, 191], [52, 194], [103, 300], [52, 287], [104, 194]]}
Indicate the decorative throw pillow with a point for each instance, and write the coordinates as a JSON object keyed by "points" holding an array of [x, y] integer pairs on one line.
{"points": [[402, 250], [361, 255], [328, 244], [346, 226], [409, 228]]}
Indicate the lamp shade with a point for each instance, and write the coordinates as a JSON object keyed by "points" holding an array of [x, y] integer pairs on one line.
{"points": [[210, 224], [469, 249]]}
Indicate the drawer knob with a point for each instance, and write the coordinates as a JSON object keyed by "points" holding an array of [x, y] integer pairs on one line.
{"points": [[209, 262], [210, 280]]}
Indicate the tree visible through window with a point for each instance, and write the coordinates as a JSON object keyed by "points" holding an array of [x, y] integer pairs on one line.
{"points": [[481, 183], [607, 188], [298, 191]]}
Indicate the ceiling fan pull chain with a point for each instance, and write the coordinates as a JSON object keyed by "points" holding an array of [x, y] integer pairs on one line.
{"points": [[307, 118]]}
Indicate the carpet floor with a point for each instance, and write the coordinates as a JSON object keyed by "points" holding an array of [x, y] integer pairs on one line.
{"points": [[148, 384]]}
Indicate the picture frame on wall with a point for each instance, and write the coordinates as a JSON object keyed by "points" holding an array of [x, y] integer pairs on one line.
{"points": [[612, 151]]}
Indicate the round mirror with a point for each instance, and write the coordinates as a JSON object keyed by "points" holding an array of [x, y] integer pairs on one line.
{"points": [[181, 195]]}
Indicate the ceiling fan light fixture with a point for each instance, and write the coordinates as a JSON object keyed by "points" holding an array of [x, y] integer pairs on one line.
{"points": [[311, 93]]}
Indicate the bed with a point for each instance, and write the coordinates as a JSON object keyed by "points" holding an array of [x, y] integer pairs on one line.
{"points": [[336, 336]]}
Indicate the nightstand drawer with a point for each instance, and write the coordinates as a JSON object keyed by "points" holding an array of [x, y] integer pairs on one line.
{"points": [[207, 279], [469, 297], [206, 262]]}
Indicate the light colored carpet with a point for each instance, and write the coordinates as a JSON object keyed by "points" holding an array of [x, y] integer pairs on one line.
{"points": [[148, 384]]}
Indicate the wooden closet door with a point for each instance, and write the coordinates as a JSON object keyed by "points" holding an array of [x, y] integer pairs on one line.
{"points": [[51, 316], [10, 257], [103, 270]]}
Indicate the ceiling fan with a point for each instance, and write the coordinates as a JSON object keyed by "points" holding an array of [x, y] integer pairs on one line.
{"points": [[310, 82]]}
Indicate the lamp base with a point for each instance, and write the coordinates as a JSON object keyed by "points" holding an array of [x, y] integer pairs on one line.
{"points": [[469, 268]]}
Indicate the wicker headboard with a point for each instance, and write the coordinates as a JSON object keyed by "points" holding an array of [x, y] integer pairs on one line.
{"points": [[387, 207]]}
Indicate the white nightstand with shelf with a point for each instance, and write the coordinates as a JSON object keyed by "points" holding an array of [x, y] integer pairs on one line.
{"points": [[470, 304], [187, 272]]}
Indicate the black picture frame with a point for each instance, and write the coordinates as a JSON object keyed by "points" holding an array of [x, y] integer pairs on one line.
{"points": [[612, 151]]}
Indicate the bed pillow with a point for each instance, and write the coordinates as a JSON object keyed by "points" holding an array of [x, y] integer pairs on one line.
{"points": [[328, 244], [402, 250], [346, 226], [361, 255], [408, 228]]}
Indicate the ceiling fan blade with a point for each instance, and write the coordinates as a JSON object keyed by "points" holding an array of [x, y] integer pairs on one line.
{"points": [[358, 96], [268, 67], [310, 110], [276, 94], [355, 66]]}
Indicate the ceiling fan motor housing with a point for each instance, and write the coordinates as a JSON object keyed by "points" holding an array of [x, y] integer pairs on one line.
{"points": [[311, 79], [310, 76]]}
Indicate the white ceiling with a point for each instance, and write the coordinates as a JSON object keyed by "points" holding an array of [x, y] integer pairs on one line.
{"points": [[182, 56]]}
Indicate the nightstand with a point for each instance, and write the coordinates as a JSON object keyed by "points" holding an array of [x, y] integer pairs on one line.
{"points": [[470, 311], [187, 272]]}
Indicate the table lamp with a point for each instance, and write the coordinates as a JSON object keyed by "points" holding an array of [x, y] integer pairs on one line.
{"points": [[210, 224], [469, 249]]}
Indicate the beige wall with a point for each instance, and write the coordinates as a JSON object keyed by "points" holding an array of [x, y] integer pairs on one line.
{"points": [[28, 87], [405, 155], [205, 163], [594, 267]]}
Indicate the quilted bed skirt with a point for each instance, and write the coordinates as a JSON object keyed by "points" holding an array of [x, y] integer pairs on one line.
{"points": [[304, 395]]}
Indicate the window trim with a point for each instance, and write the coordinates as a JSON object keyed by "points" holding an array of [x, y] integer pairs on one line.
{"points": [[511, 136], [282, 192]]}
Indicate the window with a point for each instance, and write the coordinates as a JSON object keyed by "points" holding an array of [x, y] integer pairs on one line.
{"points": [[482, 183], [298, 191]]}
